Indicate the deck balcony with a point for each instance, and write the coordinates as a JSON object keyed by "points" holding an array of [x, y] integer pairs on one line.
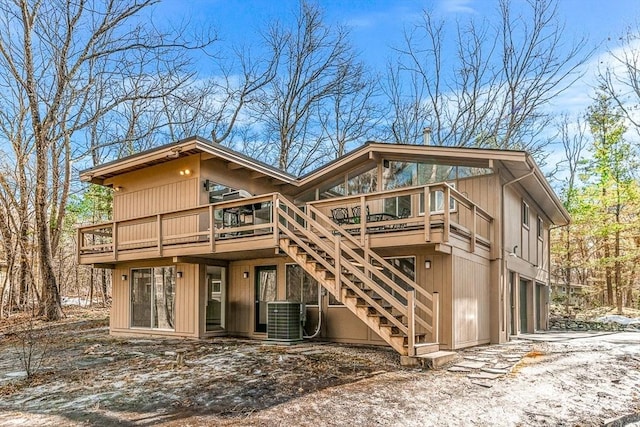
{"points": [[246, 227]]}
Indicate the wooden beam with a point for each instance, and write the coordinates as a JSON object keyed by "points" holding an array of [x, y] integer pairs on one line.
{"points": [[256, 175], [441, 247], [102, 265], [234, 166], [200, 260]]}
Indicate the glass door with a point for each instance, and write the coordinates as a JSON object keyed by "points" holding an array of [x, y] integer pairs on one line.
{"points": [[524, 327], [265, 291], [216, 298]]}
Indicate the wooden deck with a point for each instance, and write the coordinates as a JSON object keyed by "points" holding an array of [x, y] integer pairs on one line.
{"points": [[247, 225]]}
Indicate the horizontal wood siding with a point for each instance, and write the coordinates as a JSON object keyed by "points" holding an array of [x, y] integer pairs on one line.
{"points": [[471, 293]]}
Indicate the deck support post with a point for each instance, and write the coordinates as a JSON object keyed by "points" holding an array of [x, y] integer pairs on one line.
{"points": [[435, 324], [114, 240], [427, 213], [212, 229], [411, 323]]}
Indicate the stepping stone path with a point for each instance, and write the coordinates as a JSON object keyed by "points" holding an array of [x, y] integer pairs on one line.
{"points": [[483, 365]]}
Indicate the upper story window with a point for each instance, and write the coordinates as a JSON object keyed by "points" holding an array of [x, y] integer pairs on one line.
{"points": [[353, 183], [540, 228], [366, 182], [525, 214], [398, 174]]}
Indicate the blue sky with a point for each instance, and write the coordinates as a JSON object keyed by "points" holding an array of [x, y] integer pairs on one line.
{"points": [[378, 25]]}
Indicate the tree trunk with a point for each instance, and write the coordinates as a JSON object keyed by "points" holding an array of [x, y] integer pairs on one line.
{"points": [[104, 287], [607, 274], [51, 307], [617, 268]]}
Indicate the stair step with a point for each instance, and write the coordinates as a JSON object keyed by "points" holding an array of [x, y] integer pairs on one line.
{"points": [[437, 359]]}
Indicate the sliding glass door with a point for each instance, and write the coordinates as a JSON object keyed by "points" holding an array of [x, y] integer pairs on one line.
{"points": [[153, 294]]}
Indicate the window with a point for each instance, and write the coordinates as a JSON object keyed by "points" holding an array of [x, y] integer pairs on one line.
{"points": [[153, 295], [300, 286], [525, 214], [363, 183], [540, 228], [397, 174], [437, 201]]}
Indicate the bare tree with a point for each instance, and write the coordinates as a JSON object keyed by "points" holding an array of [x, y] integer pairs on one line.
{"points": [[318, 68], [493, 91], [620, 77], [58, 55]]}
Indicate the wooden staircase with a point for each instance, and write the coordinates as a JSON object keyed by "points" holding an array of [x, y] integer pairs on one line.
{"points": [[399, 311]]}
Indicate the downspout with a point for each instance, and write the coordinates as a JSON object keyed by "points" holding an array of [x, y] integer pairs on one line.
{"points": [[503, 263]]}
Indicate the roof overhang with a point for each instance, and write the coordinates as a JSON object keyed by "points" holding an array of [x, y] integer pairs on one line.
{"points": [[518, 164], [182, 148]]}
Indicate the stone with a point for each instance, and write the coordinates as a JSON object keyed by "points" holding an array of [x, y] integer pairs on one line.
{"points": [[458, 369], [484, 376], [495, 371], [481, 383], [502, 366], [471, 364]]}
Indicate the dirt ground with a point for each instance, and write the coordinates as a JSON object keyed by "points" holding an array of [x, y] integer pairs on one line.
{"points": [[90, 378]]}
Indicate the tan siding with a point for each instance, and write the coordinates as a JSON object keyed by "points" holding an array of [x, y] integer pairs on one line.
{"points": [[240, 299], [121, 299], [471, 301], [150, 201], [187, 313], [438, 279]]}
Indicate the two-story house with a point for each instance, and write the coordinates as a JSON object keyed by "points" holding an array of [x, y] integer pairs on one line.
{"points": [[418, 247]]}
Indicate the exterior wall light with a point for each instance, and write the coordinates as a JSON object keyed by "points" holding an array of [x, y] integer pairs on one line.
{"points": [[427, 264], [245, 274], [124, 277], [185, 172], [179, 274]]}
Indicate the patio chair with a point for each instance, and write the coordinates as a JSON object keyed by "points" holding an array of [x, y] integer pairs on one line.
{"points": [[356, 211], [340, 215]]}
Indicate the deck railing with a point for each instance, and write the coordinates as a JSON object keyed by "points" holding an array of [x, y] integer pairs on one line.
{"points": [[421, 207], [204, 225], [207, 226]]}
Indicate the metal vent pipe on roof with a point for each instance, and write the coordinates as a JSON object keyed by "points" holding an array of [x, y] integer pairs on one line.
{"points": [[426, 135]]}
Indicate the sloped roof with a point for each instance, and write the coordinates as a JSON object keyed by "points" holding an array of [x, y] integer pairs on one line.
{"points": [[184, 147], [519, 165]]}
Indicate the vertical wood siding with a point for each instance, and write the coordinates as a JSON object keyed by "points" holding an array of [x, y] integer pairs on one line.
{"points": [[187, 303], [470, 301], [121, 297], [150, 201]]}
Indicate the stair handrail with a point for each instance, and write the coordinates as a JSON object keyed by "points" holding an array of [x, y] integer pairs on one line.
{"points": [[411, 283], [339, 275], [409, 295], [357, 272], [344, 233]]}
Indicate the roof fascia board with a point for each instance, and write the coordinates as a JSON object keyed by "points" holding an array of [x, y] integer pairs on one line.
{"points": [[136, 159]]}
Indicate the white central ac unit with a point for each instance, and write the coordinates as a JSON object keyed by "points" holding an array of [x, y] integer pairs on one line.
{"points": [[285, 320]]}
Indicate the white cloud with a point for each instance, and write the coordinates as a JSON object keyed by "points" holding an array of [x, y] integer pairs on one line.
{"points": [[457, 6]]}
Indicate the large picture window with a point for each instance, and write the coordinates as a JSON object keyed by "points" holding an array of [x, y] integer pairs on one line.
{"points": [[153, 295]]}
